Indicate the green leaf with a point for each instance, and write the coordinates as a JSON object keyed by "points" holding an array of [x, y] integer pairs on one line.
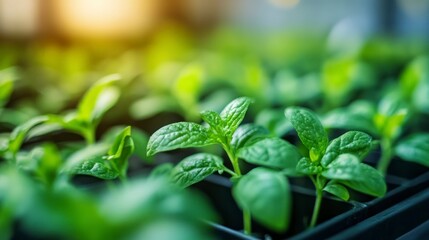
{"points": [[308, 167], [337, 190], [344, 167], [215, 122], [195, 168], [187, 88], [151, 105], [274, 121], [309, 129], [266, 194], [354, 142], [97, 167], [414, 149], [178, 135], [247, 134], [121, 150], [358, 116], [140, 140], [233, 114], [162, 171], [94, 151], [349, 171], [7, 78], [421, 96], [19, 134], [371, 181], [99, 99], [392, 115], [413, 75], [271, 152]]}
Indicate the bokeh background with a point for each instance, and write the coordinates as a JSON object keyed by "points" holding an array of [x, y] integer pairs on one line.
{"points": [[186, 55]]}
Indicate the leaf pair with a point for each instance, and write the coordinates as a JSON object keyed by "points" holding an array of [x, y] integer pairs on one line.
{"points": [[94, 160], [187, 134], [338, 160], [100, 98]]}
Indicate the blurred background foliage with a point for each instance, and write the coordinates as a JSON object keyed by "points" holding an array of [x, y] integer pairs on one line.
{"points": [[347, 60], [190, 55]]}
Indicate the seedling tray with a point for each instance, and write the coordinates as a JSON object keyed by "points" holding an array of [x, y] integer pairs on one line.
{"points": [[335, 217]]}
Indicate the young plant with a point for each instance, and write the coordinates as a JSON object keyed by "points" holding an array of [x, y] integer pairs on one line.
{"points": [[105, 160], [101, 97], [256, 191], [333, 166], [141, 209], [386, 122], [110, 165]]}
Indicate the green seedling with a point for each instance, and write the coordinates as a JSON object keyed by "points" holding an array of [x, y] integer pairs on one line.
{"points": [[106, 160], [386, 123], [100, 98], [256, 191], [181, 95], [334, 165], [141, 209], [94, 161]]}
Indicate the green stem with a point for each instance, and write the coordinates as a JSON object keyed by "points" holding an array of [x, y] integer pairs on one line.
{"points": [[318, 184], [230, 172], [247, 218], [89, 135], [233, 159], [386, 155], [247, 222], [316, 209]]}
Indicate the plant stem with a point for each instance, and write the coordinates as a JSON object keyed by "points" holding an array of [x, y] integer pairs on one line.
{"points": [[247, 222], [386, 155], [230, 172], [89, 135], [318, 202], [233, 159], [316, 207], [247, 218]]}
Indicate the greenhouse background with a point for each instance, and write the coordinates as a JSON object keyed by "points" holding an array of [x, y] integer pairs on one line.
{"points": [[221, 119]]}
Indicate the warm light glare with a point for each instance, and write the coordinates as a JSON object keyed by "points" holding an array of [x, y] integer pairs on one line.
{"points": [[105, 18], [18, 17]]}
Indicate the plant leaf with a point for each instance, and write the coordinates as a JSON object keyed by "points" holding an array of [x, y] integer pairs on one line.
{"points": [[308, 167], [354, 117], [247, 134], [187, 88], [371, 181], [97, 167], [195, 168], [233, 114], [19, 134], [7, 78], [93, 151], [121, 150], [274, 121], [337, 190], [162, 171], [349, 171], [344, 167], [415, 149], [309, 129], [99, 99], [215, 122], [178, 135], [354, 142], [266, 194], [271, 152]]}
